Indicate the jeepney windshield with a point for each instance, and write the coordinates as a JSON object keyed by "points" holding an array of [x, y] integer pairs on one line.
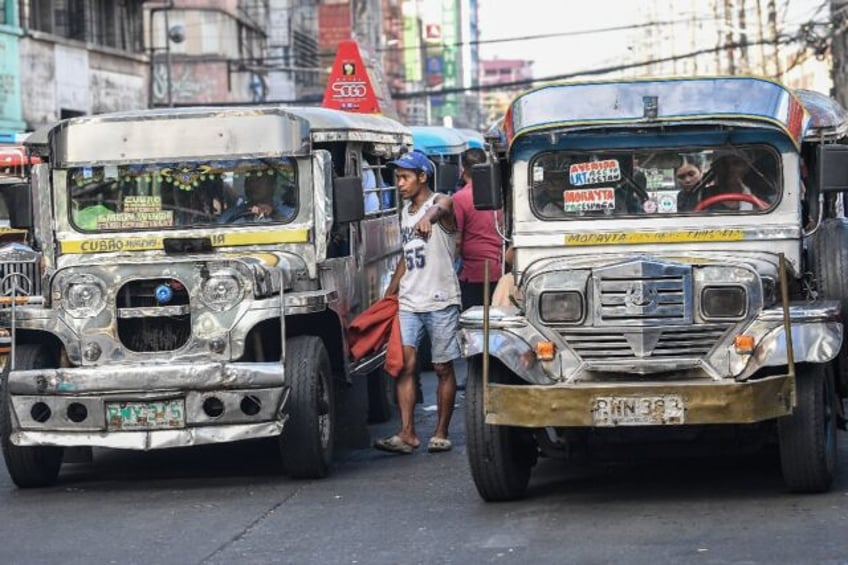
{"points": [[183, 194], [639, 182]]}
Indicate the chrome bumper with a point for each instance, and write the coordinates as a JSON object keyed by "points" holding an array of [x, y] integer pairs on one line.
{"points": [[54, 391]]}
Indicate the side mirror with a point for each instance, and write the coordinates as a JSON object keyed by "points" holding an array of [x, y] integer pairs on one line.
{"points": [[447, 175], [486, 186], [833, 168], [19, 203], [348, 199]]}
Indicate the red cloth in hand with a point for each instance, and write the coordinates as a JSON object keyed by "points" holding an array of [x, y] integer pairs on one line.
{"points": [[375, 327]]}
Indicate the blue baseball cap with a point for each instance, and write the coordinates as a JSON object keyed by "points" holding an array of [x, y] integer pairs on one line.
{"points": [[414, 161]]}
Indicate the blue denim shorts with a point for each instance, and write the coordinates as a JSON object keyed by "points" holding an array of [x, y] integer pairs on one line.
{"points": [[440, 325]]}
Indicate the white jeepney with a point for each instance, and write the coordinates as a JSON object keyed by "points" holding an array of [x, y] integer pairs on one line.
{"points": [[645, 311]]}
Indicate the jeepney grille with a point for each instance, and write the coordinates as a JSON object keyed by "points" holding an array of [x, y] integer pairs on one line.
{"points": [[145, 325], [640, 300], [19, 279], [593, 344]]}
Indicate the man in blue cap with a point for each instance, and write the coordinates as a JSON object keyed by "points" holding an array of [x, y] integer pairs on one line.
{"points": [[428, 298]]}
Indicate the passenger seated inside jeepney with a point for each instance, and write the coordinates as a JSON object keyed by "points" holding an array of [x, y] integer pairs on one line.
{"points": [[549, 195], [198, 204], [737, 180], [260, 202]]}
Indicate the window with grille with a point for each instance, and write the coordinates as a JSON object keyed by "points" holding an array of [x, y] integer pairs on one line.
{"points": [[110, 23]]}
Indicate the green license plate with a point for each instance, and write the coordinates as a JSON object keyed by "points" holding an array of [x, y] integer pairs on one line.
{"points": [[154, 415]]}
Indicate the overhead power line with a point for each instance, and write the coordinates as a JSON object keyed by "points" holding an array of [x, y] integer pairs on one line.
{"points": [[584, 73]]}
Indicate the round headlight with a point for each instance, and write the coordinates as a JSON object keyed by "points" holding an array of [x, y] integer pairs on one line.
{"points": [[724, 301], [561, 307], [221, 292], [84, 297]]}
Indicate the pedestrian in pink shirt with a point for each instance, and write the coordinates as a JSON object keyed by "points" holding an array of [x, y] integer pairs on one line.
{"points": [[478, 239]]}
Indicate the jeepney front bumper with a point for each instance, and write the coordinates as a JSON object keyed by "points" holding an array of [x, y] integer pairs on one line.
{"points": [[621, 404], [726, 387], [147, 406]]}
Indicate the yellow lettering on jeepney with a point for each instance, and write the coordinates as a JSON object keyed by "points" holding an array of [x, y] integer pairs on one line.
{"points": [[641, 238], [231, 239]]}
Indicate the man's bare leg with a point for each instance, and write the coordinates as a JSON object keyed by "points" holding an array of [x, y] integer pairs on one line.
{"points": [[445, 397], [406, 397]]}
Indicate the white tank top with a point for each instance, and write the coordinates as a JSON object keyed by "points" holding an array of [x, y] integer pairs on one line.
{"points": [[430, 282]]}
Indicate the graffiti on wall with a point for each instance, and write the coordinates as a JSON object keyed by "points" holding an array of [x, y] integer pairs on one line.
{"points": [[184, 86]]}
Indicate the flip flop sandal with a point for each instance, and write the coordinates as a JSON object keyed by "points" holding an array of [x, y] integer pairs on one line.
{"points": [[439, 444], [394, 444]]}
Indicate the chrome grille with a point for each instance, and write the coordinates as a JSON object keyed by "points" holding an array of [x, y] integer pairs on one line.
{"points": [[642, 293], [20, 279], [659, 298], [638, 343]]}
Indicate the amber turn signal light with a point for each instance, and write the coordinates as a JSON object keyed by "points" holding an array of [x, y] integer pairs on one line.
{"points": [[545, 351], [744, 344]]}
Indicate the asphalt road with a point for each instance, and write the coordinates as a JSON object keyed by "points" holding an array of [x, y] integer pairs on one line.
{"points": [[226, 504]]}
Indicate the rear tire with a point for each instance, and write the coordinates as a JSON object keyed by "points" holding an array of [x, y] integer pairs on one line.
{"points": [[829, 254], [306, 444], [28, 466], [500, 457], [807, 438]]}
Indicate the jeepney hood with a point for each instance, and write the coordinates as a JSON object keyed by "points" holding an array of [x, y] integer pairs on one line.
{"points": [[266, 271]]}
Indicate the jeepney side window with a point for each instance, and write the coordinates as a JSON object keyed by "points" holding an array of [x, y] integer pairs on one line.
{"points": [[379, 195]]}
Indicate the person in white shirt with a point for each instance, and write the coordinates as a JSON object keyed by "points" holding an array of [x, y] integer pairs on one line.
{"points": [[428, 300]]}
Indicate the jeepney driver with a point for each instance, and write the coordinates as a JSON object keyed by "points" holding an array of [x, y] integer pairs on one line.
{"points": [[259, 202]]}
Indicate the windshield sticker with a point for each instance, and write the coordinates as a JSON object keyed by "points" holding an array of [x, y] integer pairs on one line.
{"points": [[594, 172], [589, 199], [650, 206], [132, 220], [538, 174], [142, 203], [667, 203]]}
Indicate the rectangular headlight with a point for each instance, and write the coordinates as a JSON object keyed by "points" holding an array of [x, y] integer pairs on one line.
{"points": [[724, 301], [564, 307]]}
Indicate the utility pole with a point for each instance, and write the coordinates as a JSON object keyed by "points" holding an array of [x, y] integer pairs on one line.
{"points": [[772, 20], [728, 37], [744, 63], [839, 50], [761, 37], [719, 68]]}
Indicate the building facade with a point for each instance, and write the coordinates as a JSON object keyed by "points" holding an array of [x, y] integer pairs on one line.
{"points": [[75, 57], [503, 72]]}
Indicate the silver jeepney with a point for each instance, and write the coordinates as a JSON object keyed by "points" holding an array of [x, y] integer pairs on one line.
{"points": [[178, 312], [637, 306]]}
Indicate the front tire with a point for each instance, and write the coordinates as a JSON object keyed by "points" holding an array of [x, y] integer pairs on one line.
{"points": [[807, 438], [500, 457], [28, 466], [306, 443]]}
